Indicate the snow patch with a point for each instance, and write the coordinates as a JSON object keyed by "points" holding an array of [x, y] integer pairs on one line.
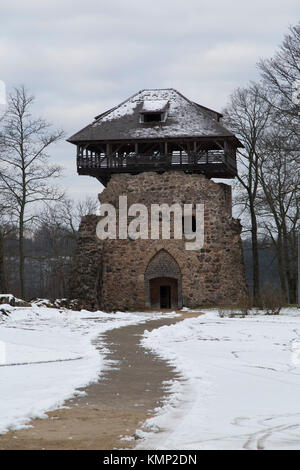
{"points": [[47, 355], [240, 387]]}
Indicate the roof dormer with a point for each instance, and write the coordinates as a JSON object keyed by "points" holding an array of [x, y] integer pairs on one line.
{"points": [[154, 111]]}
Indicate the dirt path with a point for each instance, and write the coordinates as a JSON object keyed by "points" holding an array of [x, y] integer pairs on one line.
{"points": [[125, 396]]}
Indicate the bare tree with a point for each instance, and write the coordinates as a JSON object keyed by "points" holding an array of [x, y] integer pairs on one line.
{"points": [[281, 77], [280, 204], [68, 213], [280, 170], [25, 170], [59, 224], [4, 207], [281, 71], [2, 269], [248, 115]]}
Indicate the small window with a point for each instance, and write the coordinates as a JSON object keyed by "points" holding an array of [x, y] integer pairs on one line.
{"points": [[152, 117]]}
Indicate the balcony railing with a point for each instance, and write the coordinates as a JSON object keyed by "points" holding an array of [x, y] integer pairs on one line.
{"points": [[130, 162]]}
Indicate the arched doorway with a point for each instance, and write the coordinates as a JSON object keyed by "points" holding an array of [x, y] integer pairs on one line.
{"points": [[163, 292], [163, 282]]}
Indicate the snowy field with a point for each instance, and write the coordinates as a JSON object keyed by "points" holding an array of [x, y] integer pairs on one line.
{"points": [[241, 376], [241, 387], [46, 354]]}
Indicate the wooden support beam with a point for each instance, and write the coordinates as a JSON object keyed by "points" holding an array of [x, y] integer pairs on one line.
{"points": [[219, 145], [108, 154]]}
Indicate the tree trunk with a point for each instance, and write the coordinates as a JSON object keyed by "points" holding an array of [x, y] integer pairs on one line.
{"points": [[281, 265], [255, 257], [3, 288], [21, 254], [288, 271], [291, 250]]}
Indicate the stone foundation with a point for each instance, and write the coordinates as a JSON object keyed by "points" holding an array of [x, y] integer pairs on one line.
{"points": [[129, 274]]}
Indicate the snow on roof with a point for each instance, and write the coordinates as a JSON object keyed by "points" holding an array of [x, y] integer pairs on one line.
{"points": [[154, 106], [185, 119]]}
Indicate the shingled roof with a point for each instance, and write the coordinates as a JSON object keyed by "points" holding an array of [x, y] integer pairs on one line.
{"points": [[183, 119]]}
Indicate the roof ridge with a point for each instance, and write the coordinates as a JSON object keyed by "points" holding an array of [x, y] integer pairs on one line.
{"points": [[155, 89]]}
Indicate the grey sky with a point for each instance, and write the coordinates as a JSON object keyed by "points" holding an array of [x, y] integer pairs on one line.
{"points": [[79, 58]]}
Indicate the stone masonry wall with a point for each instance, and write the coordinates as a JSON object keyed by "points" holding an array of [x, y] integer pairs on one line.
{"points": [[212, 276], [85, 281]]}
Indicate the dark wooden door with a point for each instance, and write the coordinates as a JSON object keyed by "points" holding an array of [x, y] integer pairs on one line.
{"points": [[165, 297]]}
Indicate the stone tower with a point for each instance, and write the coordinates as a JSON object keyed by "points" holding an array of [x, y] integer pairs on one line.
{"points": [[156, 148]]}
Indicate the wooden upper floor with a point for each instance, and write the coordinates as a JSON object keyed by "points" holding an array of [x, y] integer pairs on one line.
{"points": [[156, 130]]}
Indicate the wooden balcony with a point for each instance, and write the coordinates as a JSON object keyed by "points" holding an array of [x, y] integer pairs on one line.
{"points": [[213, 163]]}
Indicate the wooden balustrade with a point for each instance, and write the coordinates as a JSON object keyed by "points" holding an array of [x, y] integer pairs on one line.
{"points": [[213, 162]]}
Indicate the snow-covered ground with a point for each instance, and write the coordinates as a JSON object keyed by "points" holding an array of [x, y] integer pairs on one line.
{"points": [[241, 376], [241, 387], [46, 354]]}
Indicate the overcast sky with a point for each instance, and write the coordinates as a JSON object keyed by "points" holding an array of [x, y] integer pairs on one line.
{"points": [[80, 58]]}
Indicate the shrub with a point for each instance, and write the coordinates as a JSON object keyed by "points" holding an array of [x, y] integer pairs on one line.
{"points": [[240, 310], [272, 299]]}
